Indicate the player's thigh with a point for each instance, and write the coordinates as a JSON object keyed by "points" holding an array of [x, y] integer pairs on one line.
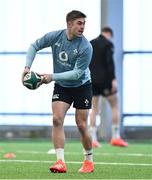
{"points": [[59, 109], [61, 101], [113, 100], [95, 103]]}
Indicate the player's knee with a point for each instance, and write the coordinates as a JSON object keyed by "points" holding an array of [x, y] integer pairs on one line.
{"points": [[57, 121], [81, 126]]}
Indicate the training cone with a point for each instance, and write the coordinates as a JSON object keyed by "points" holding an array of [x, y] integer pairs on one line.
{"points": [[9, 155], [51, 151]]}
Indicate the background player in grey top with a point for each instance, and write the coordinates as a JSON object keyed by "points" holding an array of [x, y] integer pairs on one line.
{"points": [[71, 57]]}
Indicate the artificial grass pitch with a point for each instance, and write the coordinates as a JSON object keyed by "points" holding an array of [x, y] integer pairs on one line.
{"points": [[32, 161]]}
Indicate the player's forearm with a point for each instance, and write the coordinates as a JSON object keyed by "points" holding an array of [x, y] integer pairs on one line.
{"points": [[30, 56], [111, 71], [69, 75]]}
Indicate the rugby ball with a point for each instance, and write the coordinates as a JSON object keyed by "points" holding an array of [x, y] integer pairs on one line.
{"points": [[32, 80]]}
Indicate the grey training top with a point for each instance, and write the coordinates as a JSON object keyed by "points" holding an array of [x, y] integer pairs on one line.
{"points": [[71, 58]]}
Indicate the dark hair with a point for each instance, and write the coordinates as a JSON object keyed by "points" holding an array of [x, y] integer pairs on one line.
{"points": [[107, 29], [74, 15]]}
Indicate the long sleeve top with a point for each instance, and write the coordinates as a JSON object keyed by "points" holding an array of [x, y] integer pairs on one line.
{"points": [[71, 58], [102, 64]]}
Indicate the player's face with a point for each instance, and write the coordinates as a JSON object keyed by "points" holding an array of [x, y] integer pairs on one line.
{"points": [[107, 35], [76, 27]]}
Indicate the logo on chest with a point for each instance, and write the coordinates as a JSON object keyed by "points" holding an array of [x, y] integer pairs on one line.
{"points": [[63, 56]]}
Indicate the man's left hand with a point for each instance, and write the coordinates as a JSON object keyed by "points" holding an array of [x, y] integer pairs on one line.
{"points": [[46, 78]]}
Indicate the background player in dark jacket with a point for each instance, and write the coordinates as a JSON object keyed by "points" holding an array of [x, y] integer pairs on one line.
{"points": [[104, 83]]}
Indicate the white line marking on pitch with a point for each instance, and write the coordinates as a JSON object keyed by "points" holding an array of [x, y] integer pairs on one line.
{"points": [[96, 153], [74, 162]]}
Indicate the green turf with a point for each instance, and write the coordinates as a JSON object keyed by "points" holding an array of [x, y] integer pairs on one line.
{"points": [[135, 161]]}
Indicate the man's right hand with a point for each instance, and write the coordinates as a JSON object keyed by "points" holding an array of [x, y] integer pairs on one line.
{"points": [[114, 86], [26, 70]]}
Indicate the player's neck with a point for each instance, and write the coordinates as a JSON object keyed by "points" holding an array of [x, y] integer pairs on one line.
{"points": [[70, 36]]}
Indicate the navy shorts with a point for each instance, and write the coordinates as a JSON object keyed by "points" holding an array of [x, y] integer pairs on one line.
{"points": [[104, 89], [81, 96]]}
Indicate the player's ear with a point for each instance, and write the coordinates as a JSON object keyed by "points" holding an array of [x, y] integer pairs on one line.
{"points": [[69, 24]]}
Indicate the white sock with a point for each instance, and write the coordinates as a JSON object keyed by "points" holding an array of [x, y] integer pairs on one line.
{"points": [[60, 154], [93, 132], [88, 154], [115, 131]]}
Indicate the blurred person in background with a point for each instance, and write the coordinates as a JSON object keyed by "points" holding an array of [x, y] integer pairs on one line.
{"points": [[72, 54], [104, 84]]}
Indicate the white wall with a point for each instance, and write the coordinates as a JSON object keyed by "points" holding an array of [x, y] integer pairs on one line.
{"points": [[137, 63], [22, 22]]}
